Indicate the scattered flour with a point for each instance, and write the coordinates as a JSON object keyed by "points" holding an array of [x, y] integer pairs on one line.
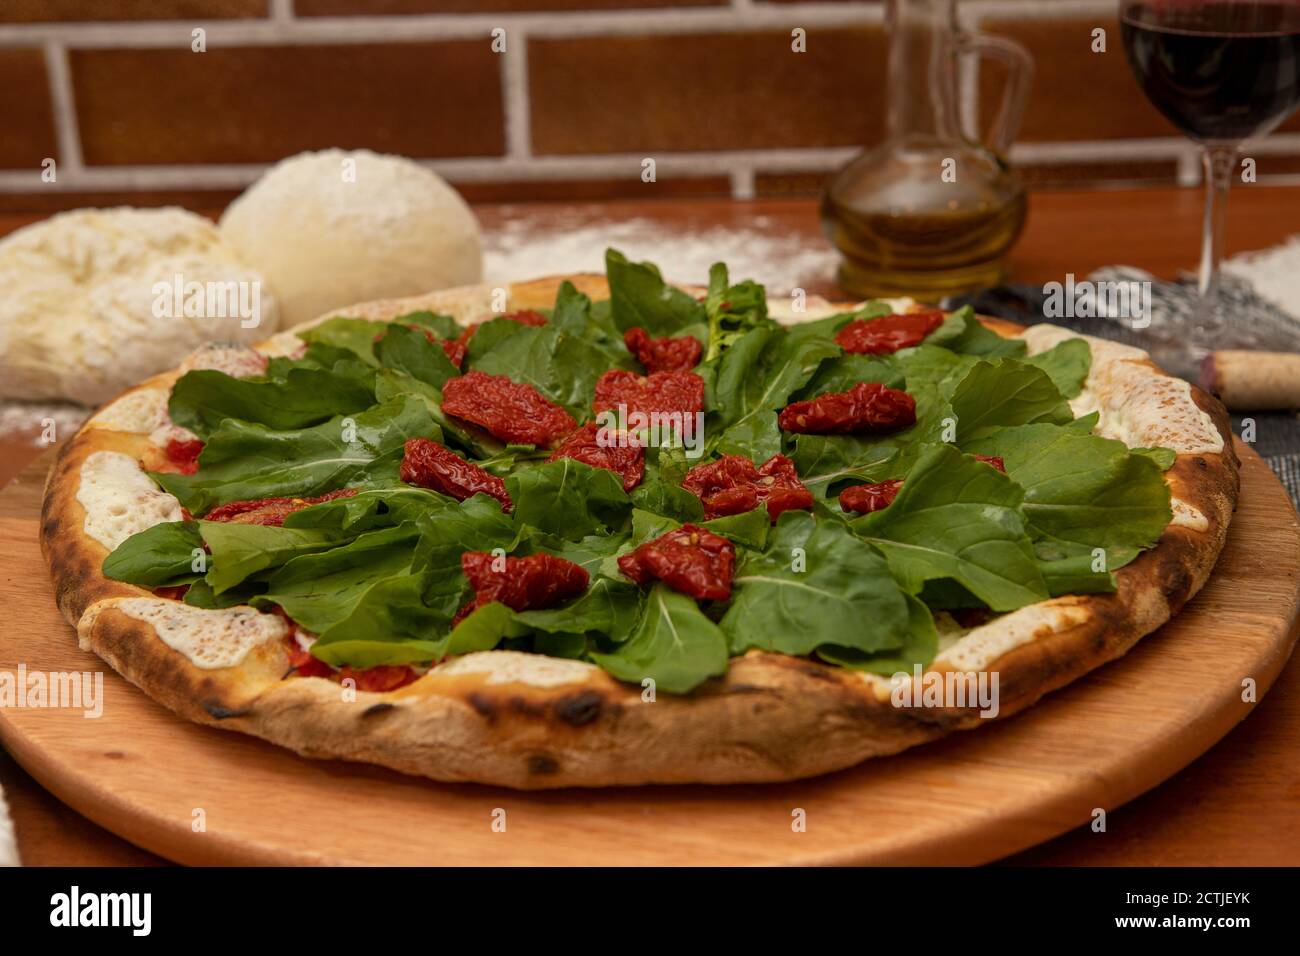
{"points": [[535, 244]]}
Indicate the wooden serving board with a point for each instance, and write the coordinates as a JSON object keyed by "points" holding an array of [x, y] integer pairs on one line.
{"points": [[979, 795]]}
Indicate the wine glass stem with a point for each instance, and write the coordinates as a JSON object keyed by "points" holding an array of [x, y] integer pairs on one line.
{"points": [[1218, 162]]}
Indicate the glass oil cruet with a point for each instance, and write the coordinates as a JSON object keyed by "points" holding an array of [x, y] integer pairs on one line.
{"points": [[930, 212]]}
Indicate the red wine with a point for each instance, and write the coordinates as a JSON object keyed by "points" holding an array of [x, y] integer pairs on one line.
{"points": [[1221, 72]]}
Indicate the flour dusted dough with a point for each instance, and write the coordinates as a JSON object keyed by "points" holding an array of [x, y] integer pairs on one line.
{"points": [[333, 228], [77, 315]]}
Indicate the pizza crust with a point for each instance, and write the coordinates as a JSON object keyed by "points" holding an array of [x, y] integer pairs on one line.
{"points": [[519, 720]]}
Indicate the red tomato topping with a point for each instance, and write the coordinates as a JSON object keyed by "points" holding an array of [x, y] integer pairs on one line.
{"points": [[510, 411], [620, 452], [453, 348], [658, 392], [305, 663], [732, 485], [429, 465], [865, 499], [698, 563], [175, 592], [270, 511], [666, 354], [380, 678], [888, 333], [533, 583], [993, 460], [184, 454], [866, 408]]}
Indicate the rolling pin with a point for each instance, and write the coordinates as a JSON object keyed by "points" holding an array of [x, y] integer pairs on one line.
{"points": [[1253, 381]]}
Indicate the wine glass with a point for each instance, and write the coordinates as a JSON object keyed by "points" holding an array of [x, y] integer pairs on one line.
{"points": [[1222, 71]]}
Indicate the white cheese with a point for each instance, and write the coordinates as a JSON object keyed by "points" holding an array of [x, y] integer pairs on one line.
{"points": [[121, 500], [515, 667], [238, 361], [981, 646], [209, 639], [283, 345], [139, 412], [1185, 516], [1137, 405]]}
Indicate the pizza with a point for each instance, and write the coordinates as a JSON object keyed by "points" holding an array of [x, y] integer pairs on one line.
{"points": [[606, 530]]}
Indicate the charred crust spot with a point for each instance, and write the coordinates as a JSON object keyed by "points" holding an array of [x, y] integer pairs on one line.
{"points": [[375, 709], [542, 764], [114, 754], [1200, 462], [482, 705], [580, 708], [219, 711], [806, 667]]}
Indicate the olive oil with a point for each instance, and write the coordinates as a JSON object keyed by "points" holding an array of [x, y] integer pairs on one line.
{"points": [[928, 241], [929, 211]]}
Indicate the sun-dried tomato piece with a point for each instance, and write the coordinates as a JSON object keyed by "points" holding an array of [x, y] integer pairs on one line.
{"points": [[866, 408], [994, 460], [888, 333], [304, 662], [523, 317], [270, 511], [657, 393], [454, 349], [532, 583], [667, 354], [732, 485], [174, 592], [184, 454], [865, 499], [698, 563], [382, 677], [511, 411], [429, 465], [619, 452]]}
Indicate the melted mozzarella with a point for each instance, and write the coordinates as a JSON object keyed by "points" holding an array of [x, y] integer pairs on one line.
{"points": [[121, 500], [1185, 516], [209, 639], [139, 412], [514, 667]]}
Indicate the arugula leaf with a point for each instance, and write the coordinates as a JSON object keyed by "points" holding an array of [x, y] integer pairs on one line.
{"points": [[354, 335], [732, 310], [563, 368], [1008, 393], [674, 643], [161, 556], [391, 384], [823, 461], [243, 461], [1082, 488], [1068, 568], [321, 590], [575, 316], [408, 350], [755, 378], [1163, 457], [963, 332], [241, 550], [202, 399], [1067, 364], [638, 296], [815, 584], [920, 644], [957, 518], [842, 373], [568, 498], [661, 489]]}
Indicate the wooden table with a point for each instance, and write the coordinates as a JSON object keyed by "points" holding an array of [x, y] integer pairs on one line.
{"points": [[1233, 806]]}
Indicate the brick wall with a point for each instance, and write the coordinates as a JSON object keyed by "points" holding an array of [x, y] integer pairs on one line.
{"points": [[112, 90]]}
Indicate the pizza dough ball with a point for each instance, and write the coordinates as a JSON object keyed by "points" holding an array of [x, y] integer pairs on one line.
{"points": [[334, 228], [97, 299]]}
